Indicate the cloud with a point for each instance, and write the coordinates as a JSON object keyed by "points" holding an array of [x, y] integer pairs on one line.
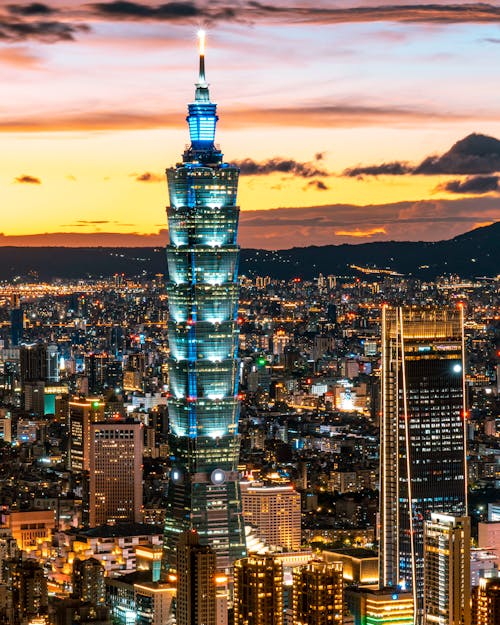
{"points": [[47, 31], [360, 234], [25, 179], [147, 176], [310, 116], [475, 185], [34, 8], [319, 185], [475, 154], [168, 11], [19, 57], [395, 168], [249, 167]]}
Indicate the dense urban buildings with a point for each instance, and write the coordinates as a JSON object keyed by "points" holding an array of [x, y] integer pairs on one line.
{"points": [[203, 406], [423, 436]]}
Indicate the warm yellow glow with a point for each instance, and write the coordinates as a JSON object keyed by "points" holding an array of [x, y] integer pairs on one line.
{"points": [[201, 41]]}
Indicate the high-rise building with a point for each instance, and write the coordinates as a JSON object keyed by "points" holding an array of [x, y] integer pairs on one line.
{"points": [[88, 581], [115, 476], [16, 321], [196, 569], [203, 407], [422, 436], [33, 359], [27, 587], [82, 412], [274, 512], [258, 591], [318, 594], [486, 602], [447, 570], [370, 606]]}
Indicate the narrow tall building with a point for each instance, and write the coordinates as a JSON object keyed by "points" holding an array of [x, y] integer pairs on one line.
{"points": [[258, 591], [318, 594], [486, 602], [115, 476], [422, 436], [203, 490], [195, 581], [447, 570], [88, 581]]}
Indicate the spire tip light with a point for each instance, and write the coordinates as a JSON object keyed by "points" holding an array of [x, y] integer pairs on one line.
{"points": [[201, 41]]}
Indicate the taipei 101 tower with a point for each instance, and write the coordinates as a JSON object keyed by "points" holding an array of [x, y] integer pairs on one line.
{"points": [[203, 491]]}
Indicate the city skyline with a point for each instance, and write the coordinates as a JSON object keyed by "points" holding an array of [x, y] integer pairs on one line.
{"points": [[331, 114]]}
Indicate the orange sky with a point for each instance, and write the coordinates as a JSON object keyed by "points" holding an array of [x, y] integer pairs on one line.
{"points": [[89, 108]]}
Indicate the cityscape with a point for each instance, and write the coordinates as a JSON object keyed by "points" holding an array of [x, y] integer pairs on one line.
{"points": [[198, 434]]}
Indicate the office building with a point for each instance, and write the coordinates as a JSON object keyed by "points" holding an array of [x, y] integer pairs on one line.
{"points": [[153, 603], [27, 587], [16, 321], [115, 476], [258, 591], [447, 570], [369, 606], [422, 436], [33, 359], [88, 581], [273, 512], [318, 594], [203, 406], [196, 570], [82, 412], [486, 602]]}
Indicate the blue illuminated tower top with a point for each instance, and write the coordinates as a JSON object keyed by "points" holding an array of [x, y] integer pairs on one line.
{"points": [[202, 117]]}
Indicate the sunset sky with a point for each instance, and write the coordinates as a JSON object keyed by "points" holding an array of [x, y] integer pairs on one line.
{"points": [[331, 109]]}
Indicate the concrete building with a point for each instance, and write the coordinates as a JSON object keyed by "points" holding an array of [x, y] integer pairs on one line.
{"points": [[447, 570], [318, 594], [274, 512], [115, 477], [258, 591]]}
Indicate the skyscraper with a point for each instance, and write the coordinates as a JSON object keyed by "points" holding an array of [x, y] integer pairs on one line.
{"points": [[115, 476], [318, 594], [486, 602], [88, 581], [422, 437], [195, 581], [202, 256], [258, 591], [447, 570]]}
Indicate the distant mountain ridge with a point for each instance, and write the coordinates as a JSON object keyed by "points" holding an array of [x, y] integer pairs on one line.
{"points": [[475, 253]]}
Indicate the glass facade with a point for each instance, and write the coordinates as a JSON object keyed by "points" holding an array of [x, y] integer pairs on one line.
{"points": [[423, 455], [202, 256]]}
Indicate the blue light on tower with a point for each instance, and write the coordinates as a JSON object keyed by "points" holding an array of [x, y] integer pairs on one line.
{"points": [[202, 256]]}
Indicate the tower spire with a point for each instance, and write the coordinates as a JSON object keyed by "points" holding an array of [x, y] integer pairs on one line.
{"points": [[202, 94]]}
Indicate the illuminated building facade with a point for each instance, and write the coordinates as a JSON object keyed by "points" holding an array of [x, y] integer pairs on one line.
{"points": [[369, 606], [258, 591], [423, 456], [115, 476], [447, 570], [274, 513], [318, 594], [203, 407], [82, 412], [486, 602], [195, 581]]}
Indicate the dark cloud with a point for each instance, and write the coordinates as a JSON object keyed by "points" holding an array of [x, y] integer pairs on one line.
{"points": [[147, 176], [475, 154], [25, 179], [48, 31], [34, 8], [319, 185], [395, 168], [417, 13], [168, 11], [475, 185], [277, 164]]}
